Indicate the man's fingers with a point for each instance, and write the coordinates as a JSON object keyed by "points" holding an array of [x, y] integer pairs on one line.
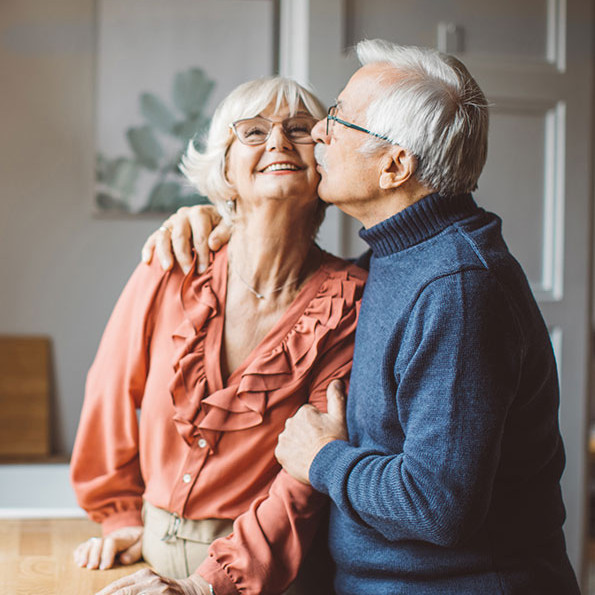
{"points": [[219, 236], [163, 248], [180, 240], [202, 219], [149, 248], [335, 396]]}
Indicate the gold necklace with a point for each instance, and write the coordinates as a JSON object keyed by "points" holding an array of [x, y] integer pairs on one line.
{"points": [[260, 296]]}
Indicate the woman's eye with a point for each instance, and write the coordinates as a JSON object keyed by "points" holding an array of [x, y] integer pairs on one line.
{"points": [[254, 132]]}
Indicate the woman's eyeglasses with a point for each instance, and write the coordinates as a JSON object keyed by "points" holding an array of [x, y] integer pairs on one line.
{"points": [[256, 131]]}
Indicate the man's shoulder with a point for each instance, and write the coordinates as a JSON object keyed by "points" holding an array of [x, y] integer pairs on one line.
{"points": [[475, 243]]}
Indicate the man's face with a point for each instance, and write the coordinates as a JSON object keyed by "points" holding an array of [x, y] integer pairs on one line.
{"points": [[349, 179]]}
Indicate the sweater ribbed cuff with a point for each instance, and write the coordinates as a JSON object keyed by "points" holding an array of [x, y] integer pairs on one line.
{"points": [[324, 469]]}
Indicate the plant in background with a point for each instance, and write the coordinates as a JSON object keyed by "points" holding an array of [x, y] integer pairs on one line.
{"points": [[157, 147]]}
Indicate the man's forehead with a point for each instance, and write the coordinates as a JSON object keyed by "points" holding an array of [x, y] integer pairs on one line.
{"points": [[358, 91]]}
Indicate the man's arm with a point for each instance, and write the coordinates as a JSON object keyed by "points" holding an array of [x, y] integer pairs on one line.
{"points": [[199, 227], [455, 384]]}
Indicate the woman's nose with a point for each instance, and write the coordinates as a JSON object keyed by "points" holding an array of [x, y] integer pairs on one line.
{"points": [[278, 139]]}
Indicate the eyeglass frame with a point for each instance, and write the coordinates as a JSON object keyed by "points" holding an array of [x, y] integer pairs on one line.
{"points": [[233, 128], [331, 116]]}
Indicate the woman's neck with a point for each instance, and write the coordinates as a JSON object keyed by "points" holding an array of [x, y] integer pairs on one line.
{"points": [[270, 246]]}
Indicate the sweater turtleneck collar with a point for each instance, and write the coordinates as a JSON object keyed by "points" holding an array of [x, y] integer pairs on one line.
{"points": [[423, 219]]}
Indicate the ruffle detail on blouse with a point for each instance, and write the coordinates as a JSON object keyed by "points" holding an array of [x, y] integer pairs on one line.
{"points": [[199, 304], [243, 403]]}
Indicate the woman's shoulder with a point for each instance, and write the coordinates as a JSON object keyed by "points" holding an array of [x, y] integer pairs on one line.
{"points": [[342, 282], [339, 268]]}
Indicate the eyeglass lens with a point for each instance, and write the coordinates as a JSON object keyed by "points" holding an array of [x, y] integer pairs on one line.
{"points": [[255, 131]]}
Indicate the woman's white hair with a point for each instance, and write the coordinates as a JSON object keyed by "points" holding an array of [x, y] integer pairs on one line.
{"points": [[206, 170], [434, 108]]}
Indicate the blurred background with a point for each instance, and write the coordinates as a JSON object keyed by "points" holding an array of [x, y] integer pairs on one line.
{"points": [[98, 98]]}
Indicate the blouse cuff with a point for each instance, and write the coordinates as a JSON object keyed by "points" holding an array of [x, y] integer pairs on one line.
{"points": [[212, 572], [127, 518]]}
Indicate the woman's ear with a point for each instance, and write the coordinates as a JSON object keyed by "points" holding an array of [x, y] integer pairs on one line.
{"points": [[398, 166]]}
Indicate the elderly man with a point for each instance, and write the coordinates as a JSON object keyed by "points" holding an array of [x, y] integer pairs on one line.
{"points": [[447, 478]]}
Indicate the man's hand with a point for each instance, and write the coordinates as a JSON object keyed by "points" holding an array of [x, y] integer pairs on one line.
{"points": [[200, 226], [101, 552], [148, 582], [309, 430]]}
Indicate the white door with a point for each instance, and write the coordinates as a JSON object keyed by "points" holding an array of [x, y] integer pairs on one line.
{"points": [[533, 59]]}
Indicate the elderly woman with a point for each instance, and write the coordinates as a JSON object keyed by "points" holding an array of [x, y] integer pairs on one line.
{"points": [[216, 362]]}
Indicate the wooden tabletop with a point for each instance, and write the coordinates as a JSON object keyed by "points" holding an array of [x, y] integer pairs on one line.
{"points": [[36, 558]]}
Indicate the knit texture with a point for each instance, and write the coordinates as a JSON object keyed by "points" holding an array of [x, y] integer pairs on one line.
{"points": [[450, 480]]}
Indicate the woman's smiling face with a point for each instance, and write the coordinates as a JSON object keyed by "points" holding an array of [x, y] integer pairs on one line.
{"points": [[277, 169]]}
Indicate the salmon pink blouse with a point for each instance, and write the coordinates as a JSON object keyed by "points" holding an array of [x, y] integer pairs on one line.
{"points": [[202, 447]]}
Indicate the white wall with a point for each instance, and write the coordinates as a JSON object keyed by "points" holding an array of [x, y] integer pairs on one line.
{"points": [[61, 269]]}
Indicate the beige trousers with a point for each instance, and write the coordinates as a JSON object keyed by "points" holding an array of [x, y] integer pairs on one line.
{"points": [[175, 547]]}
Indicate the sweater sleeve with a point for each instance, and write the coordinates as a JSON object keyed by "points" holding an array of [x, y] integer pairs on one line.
{"points": [[456, 370], [269, 541], [105, 471]]}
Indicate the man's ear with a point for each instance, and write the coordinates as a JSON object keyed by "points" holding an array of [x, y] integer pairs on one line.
{"points": [[398, 165]]}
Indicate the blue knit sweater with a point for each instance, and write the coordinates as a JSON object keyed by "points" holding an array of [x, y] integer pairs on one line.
{"points": [[449, 483]]}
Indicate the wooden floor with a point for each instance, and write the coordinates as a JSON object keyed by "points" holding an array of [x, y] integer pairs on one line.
{"points": [[36, 558]]}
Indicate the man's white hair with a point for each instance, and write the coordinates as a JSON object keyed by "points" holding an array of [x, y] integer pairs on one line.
{"points": [[434, 108]]}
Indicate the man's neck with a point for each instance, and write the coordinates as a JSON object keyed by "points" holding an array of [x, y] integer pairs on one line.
{"points": [[387, 205]]}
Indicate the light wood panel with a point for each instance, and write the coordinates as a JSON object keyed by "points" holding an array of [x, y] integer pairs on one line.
{"points": [[36, 558], [24, 396]]}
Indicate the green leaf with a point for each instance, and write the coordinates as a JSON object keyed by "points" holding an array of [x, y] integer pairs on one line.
{"points": [[145, 146], [107, 202], [157, 113], [191, 128], [189, 200], [167, 197], [191, 91], [163, 196], [101, 167], [123, 177]]}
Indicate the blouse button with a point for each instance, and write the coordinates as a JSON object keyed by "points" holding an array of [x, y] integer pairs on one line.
{"points": [[202, 443], [187, 478]]}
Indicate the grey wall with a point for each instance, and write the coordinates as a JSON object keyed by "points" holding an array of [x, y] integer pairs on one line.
{"points": [[61, 269]]}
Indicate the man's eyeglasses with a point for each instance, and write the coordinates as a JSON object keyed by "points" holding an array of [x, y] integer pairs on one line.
{"points": [[331, 118], [256, 131]]}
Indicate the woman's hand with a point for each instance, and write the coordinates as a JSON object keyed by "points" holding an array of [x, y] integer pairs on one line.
{"points": [[148, 582], [200, 225], [101, 552]]}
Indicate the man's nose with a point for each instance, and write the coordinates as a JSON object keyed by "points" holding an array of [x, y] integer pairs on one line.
{"points": [[319, 132]]}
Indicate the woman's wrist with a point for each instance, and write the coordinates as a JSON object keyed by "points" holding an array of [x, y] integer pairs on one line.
{"points": [[196, 585]]}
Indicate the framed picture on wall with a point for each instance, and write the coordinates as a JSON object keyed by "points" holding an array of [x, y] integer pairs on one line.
{"points": [[162, 67]]}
